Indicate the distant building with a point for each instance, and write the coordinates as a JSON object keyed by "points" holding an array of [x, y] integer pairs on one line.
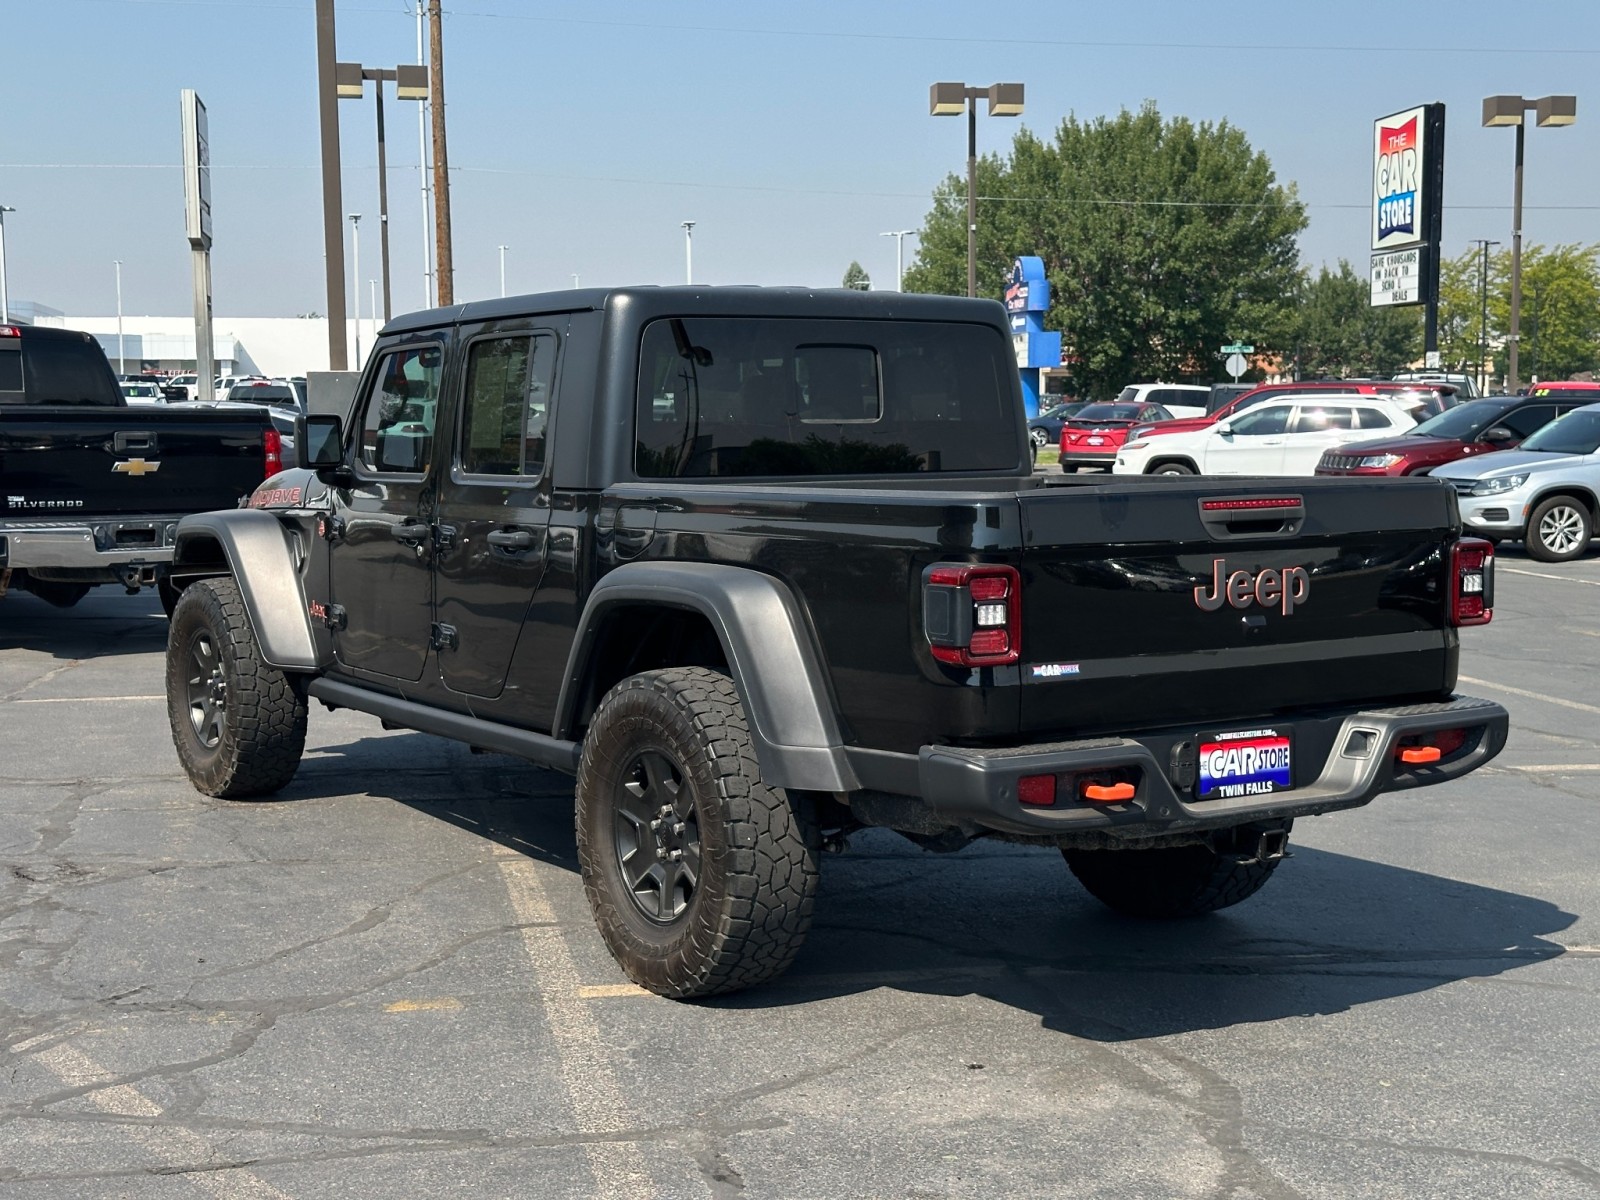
{"points": [[277, 346]]}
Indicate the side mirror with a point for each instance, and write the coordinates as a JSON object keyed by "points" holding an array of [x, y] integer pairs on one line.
{"points": [[1225, 428], [1498, 433], [319, 441]]}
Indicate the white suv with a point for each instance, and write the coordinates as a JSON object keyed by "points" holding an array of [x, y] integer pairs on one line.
{"points": [[1179, 399]]}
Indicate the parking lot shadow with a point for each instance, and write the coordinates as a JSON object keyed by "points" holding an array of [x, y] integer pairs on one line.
{"points": [[106, 622], [1330, 932]]}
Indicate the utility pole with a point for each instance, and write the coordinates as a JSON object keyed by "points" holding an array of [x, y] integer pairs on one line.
{"points": [[1483, 315], [444, 260], [422, 172], [121, 366], [5, 302], [332, 197], [383, 206]]}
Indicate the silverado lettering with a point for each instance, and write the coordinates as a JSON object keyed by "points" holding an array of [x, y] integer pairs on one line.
{"points": [[1284, 589]]}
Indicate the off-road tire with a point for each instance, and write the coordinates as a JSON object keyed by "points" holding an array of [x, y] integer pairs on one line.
{"points": [[250, 743], [1172, 468], [1176, 881], [1559, 530], [757, 846]]}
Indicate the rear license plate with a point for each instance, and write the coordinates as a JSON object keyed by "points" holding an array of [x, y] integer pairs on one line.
{"points": [[1251, 762]]}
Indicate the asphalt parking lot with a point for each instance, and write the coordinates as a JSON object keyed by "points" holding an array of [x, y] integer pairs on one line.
{"points": [[385, 983]]}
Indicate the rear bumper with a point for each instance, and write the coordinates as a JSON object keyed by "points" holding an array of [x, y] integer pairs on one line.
{"points": [[977, 788], [1098, 457], [86, 543]]}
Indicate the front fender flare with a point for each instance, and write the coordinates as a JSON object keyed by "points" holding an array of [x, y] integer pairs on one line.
{"points": [[264, 562], [770, 653]]}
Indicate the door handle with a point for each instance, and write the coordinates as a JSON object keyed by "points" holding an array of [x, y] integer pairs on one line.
{"points": [[510, 539], [413, 533]]}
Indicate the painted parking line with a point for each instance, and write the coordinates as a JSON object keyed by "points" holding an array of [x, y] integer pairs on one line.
{"points": [[582, 1059], [176, 1146], [606, 991], [1547, 768], [1513, 691], [1505, 570], [86, 699]]}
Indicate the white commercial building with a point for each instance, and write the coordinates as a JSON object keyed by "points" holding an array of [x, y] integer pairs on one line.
{"points": [[276, 346]]}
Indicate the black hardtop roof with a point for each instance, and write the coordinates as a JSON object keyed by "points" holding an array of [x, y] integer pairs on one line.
{"points": [[49, 332], [646, 302]]}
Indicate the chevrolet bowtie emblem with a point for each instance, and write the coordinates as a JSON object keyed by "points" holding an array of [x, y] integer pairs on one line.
{"points": [[136, 467]]}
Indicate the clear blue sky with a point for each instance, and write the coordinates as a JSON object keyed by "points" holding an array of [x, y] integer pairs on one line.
{"points": [[583, 133]]}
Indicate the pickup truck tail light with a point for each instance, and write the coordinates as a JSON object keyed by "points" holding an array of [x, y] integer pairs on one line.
{"points": [[972, 615], [1471, 582], [271, 453]]}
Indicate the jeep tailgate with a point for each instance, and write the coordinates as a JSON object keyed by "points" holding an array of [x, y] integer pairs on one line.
{"points": [[1162, 601], [127, 461]]}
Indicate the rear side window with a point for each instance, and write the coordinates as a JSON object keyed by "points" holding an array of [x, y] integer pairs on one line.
{"points": [[507, 407], [397, 422], [1371, 418], [1526, 421], [730, 396], [1320, 418]]}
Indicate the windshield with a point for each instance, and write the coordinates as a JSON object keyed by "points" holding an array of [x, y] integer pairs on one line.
{"points": [[1576, 433], [1062, 411], [1463, 422], [1128, 394], [1107, 412], [264, 394]]}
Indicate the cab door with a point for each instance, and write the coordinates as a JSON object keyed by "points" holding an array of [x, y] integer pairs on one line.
{"points": [[494, 513], [1251, 444], [380, 567]]}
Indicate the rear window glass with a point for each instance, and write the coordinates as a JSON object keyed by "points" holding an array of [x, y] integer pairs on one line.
{"points": [[67, 371], [1110, 412], [730, 396]]}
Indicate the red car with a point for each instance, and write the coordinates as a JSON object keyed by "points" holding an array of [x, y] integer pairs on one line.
{"points": [[1431, 398], [1567, 389], [1472, 427], [1092, 437]]}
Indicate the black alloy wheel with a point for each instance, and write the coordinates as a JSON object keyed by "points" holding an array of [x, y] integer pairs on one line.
{"points": [[657, 836]]}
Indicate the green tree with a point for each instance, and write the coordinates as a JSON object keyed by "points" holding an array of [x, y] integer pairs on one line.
{"points": [[1560, 310], [1162, 240], [856, 277], [1339, 333]]}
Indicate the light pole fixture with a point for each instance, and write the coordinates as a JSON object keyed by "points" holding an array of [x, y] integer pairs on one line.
{"points": [[410, 83], [899, 236], [688, 251], [503, 250], [948, 100], [1549, 111], [355, 272], [574, 279], [121, 368], [5, 303]]}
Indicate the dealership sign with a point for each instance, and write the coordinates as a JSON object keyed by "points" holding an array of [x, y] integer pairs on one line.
{"points": [[1407, 204]]}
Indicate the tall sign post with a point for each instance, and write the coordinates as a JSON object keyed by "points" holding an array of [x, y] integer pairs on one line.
{"points": [[1408, 215], [1027, 301], [197, 224]]}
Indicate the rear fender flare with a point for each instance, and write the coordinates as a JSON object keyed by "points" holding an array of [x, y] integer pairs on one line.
{"points": [[770, 654], [264, 560]]}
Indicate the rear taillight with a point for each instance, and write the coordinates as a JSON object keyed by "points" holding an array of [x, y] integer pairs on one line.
{"points": [[10, 331], [271, 452], [972, 615], [1471, 582]]}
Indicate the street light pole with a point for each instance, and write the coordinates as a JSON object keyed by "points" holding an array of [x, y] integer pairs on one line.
{"points": [[1483, 315], [688, 252], [121, 367], [899, 236], [949, 100], [5, 300], [574, 279], [1513, 110], [355, 273], [503, 250]]}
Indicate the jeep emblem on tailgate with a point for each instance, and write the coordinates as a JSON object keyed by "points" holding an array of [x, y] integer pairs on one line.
{"points": [[1285, 588]]}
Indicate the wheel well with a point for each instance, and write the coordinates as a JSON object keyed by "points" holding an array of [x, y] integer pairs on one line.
{"points": [[1582, 495], [642, 637], [1157, 463], [201, 555]]}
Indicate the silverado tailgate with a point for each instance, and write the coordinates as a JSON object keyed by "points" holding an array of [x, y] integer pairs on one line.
{"points": [[1162, 601], [127, 461]]}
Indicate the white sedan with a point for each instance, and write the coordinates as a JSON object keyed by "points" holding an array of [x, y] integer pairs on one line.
{"points": [[1285, 436]]}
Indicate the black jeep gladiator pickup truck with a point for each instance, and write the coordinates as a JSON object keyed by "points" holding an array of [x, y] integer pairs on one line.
{"points": [[763, 566], [91, 487]]}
